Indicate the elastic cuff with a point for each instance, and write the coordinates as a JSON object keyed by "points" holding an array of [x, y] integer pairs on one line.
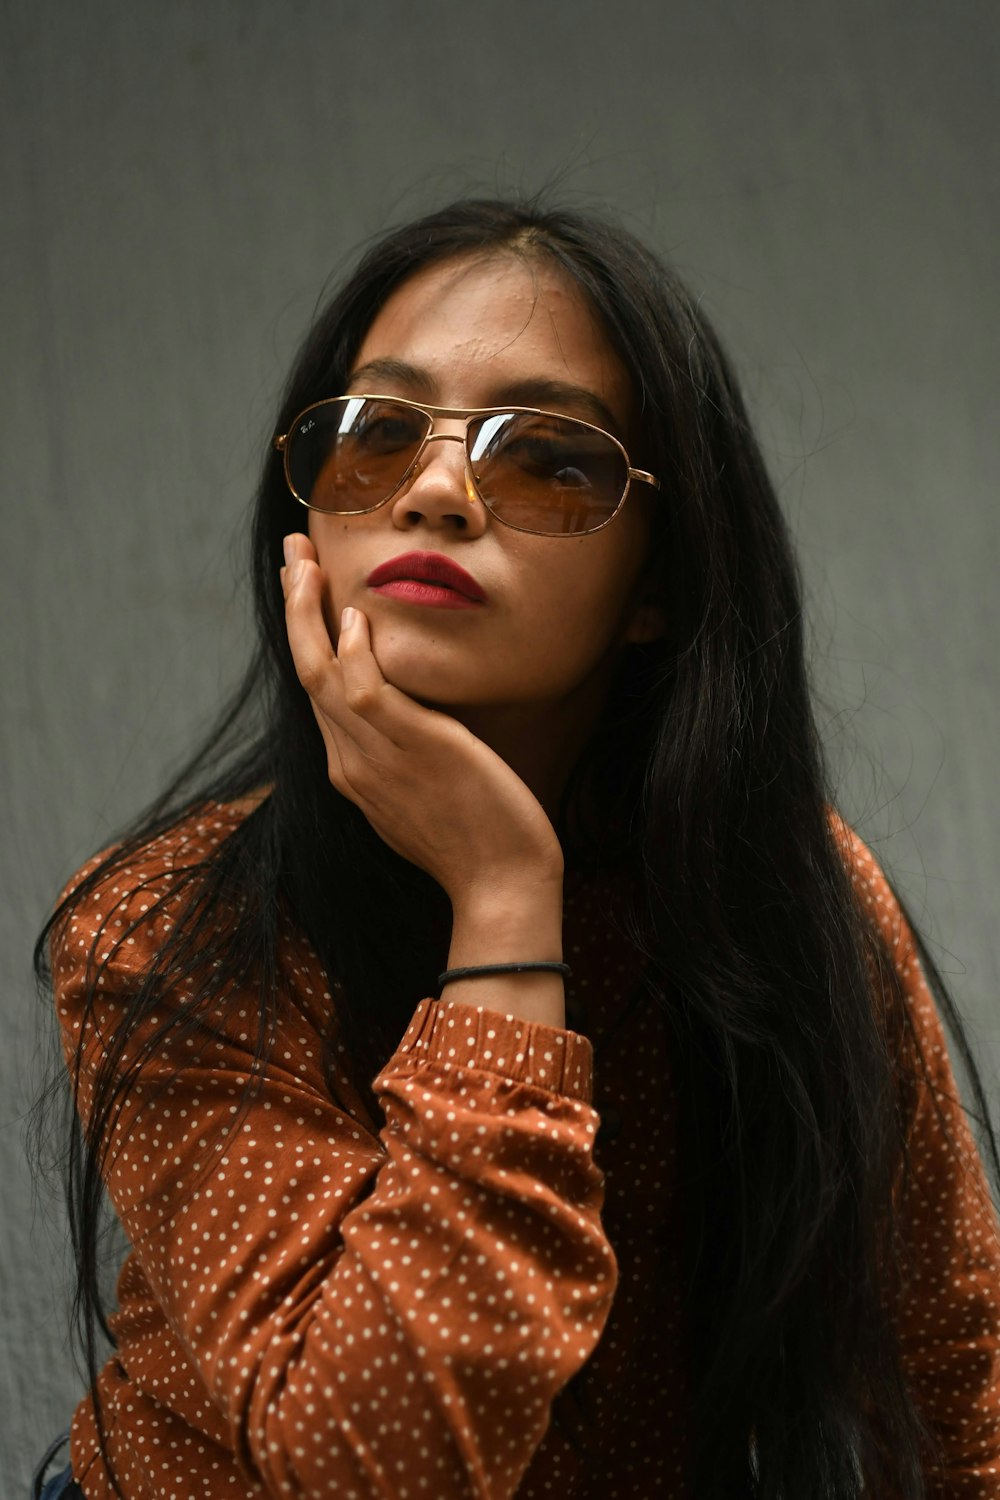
{"points": [[469, 1036]]}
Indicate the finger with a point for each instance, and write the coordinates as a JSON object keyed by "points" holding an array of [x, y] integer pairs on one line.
{"points": [[334, 758], [361, 677], [314, 656], [297, 549], [296, 545], [312, 650], [367, 694], [341, 741]]}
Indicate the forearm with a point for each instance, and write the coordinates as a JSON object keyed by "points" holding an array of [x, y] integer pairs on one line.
{"points": [[505, 925], [474, 1280], [457, 1267]]}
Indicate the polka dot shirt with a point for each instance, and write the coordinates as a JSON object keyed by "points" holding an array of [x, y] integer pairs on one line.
{"points": [[310, 1308]]}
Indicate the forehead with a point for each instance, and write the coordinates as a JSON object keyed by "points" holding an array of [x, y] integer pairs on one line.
{"points": [[475, 325]]}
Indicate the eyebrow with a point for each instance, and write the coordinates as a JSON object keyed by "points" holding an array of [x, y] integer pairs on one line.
{"points": [[531, 391]]}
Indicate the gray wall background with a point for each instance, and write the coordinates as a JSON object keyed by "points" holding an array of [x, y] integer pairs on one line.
{"points": [[178, 181]]}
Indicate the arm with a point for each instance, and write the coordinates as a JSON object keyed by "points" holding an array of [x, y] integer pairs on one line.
{"points": [[439, 797], [291, 1259], [356, 1307], [949, 1309]]}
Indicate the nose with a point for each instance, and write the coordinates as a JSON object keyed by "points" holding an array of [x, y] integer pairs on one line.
{"points": [[440, 493]]}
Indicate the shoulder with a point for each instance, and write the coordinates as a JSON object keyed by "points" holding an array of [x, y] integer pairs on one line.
{"points": [[875, 896], [909, 985], [191, 839], [124, 899], [903, 982]]}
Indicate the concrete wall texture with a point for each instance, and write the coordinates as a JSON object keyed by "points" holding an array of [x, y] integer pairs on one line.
{"points": [[178, 183]]}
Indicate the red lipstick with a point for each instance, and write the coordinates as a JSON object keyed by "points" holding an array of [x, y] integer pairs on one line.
{"points": [[427, 578]]}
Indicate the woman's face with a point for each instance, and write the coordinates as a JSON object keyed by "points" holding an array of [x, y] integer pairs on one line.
{"points": [[477, 333]]}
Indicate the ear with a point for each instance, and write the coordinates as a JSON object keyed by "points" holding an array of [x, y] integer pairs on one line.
{"points": [[648, 623]]}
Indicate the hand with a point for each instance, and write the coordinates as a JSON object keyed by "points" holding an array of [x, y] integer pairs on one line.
{"points": [[431, 790]]}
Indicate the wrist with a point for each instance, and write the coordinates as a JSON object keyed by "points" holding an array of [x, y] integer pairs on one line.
{"points": [[501, 925], [508, 909], [506, 923], [477, 971], [531, 995]]}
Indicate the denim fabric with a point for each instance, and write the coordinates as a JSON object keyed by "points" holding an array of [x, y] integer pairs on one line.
{"points": [[61, 1486]]}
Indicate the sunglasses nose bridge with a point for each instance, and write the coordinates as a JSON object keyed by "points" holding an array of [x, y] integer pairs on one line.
{"points": [[422, 458], [437, 437]]}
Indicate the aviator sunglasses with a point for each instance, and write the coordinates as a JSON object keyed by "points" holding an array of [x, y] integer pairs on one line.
{"points": [[533, 470]]}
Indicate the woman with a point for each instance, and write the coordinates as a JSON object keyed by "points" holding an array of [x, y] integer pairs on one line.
{"points": [[670, 1192]]}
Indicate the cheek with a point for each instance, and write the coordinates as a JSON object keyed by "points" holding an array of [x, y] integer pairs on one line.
{"points": [[576, 614], [332, 540], [610, 582]]}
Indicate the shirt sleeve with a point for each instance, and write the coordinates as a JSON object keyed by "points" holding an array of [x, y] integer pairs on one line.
{"points": [[360, 1307], [949, 1308]]}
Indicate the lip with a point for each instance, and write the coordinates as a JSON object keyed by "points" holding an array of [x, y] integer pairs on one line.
{"points": [[443, 576]]}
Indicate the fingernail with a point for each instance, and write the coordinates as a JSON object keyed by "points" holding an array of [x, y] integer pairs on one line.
{"points": [[286, 547], [347, 618], [294, 571]]}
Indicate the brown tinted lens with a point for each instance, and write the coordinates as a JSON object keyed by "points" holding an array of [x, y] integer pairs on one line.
{"points": [[546, 474], [351, 454]]}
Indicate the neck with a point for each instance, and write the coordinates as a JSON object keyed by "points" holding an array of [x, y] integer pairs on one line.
{"points": [[542, 743]]}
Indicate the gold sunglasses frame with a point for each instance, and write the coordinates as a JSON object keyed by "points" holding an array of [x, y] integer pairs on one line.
{"points": [[461, 414]]}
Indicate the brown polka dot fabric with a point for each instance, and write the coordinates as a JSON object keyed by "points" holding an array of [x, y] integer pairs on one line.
{"points": [[313, 1309]]}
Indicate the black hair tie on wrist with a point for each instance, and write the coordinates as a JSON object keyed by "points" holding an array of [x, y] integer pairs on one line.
{"points": [[549, 964]]}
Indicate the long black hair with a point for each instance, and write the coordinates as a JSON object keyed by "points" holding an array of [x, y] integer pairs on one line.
{"points": [[794, 1103]]}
